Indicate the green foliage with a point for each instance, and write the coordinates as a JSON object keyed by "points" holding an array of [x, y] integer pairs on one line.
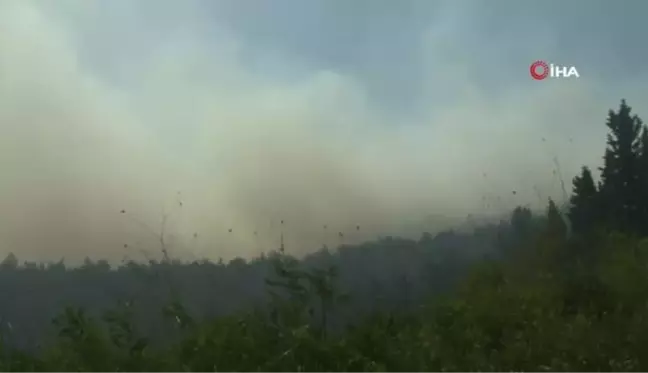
{"points": [[556, 226], [585, 205], [506, 316], [522, 222], [621, 201]]}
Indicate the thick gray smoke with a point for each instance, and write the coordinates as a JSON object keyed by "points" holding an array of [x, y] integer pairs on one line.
{"points": [[155, 109]]}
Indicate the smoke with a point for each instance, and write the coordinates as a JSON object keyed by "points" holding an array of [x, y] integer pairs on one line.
{"points": [[141, 107]]}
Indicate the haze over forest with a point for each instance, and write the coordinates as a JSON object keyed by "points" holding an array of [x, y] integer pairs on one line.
{"points": [[400, 117]]}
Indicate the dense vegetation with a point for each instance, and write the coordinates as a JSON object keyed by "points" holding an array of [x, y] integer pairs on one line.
{"points": [[563, 290]]}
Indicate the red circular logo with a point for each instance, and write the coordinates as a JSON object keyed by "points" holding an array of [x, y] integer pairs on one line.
{"points": [[539, 70]]}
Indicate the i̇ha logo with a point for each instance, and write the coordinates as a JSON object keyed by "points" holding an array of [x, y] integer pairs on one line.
{"points": [[541, 70]]}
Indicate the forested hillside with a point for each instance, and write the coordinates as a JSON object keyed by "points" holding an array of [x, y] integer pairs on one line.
{"points": [[561, 289]]}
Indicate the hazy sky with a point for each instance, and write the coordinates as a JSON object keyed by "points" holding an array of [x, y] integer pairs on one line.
{"points": [[372, 112]]}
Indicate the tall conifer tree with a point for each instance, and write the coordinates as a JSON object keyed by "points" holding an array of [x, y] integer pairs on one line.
{"points": [[584, 212], [620, 182]]}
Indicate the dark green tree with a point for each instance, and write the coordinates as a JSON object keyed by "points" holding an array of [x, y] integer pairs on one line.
{"points": [[643, 180], [521, 222], [620, 182], [10, 262], [584, 210], [556, 226]]}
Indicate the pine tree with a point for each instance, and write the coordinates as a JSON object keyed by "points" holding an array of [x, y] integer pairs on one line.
{"points": [[584, 211], [556, 226], [10, 262], [620, 183], [521, 221], [643, 179]]}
